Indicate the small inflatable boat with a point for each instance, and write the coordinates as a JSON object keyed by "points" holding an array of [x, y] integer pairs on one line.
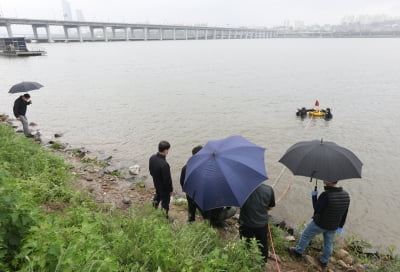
{"points": [[316, 113]]}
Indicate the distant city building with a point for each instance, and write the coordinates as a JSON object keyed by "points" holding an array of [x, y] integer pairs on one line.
{"points": [[67, 14], [79, 15], [299, 25]]}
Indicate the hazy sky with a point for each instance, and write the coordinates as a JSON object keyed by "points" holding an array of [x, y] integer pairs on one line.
{"points": [[213, 12]]}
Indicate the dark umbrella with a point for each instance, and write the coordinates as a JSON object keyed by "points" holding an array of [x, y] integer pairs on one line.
{"points": [[225, 172], [25, 86], [322, 160]]}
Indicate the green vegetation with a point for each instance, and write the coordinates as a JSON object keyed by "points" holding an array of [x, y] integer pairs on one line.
{"points": [[57, 146], [47, 226]]}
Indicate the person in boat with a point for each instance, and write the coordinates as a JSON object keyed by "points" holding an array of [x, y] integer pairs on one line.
{"points": [[328, 113], [301, 112]]}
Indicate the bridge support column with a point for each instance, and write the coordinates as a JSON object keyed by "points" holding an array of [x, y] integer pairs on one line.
{"points": [[161, 34], [145, 32], [9, 30], [206, 34], [215, 34], [105, 33], [132, 33], [127, 33], [91, 33], [35, 33], [78, 30], [113, 32], [197, 34], [174, 34], [186, 34], [48, 34], [66, 34]]}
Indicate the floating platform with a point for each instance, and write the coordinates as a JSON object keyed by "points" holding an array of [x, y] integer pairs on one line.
{"points": [[16, 47]]}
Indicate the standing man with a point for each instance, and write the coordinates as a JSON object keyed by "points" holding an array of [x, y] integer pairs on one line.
{"points": [[19, 109], [253, 219], [330, 212], [161, 173], [192, 206]]}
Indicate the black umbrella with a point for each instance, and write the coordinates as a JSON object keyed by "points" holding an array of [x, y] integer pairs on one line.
{"points": [[322, 160], [25, 86]]}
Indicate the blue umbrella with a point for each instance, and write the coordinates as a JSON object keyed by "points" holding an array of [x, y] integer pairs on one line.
{"points": [[225, 172]]}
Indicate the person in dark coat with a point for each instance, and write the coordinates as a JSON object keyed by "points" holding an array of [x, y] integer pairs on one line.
{"points": [[253, 219], [328, 114], [161, 173], [192, 206], [20, 106], [330, 212]]}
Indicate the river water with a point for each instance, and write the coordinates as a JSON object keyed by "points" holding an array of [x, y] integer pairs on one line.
{"points": [[122, 98]]}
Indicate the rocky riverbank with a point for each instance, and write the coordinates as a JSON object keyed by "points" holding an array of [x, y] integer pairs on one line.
{"points": [[123, 188]]}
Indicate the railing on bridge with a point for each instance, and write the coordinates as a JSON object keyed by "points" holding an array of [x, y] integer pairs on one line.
{"points": [[112, 31]]}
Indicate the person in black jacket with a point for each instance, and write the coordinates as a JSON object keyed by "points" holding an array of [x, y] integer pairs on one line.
{"points": [[19, 109], [161, 173], [330, 212], [192, 206]]}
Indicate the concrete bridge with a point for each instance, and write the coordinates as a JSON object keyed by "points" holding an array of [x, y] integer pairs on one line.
{"points": [[106, 31]]}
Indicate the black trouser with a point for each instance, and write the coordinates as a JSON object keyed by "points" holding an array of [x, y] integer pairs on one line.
{"points": [[192, 206], [261, 235], [164, 198]]}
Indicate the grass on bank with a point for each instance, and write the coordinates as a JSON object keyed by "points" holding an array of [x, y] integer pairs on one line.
{"points": [[45, 225]]}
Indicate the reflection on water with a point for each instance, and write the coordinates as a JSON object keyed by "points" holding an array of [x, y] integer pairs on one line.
{"points": [[124, 97]]}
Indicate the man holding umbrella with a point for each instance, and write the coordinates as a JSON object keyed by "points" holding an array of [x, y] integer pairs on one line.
{"points": [[329, 162], [330, 212], [20, 106]]}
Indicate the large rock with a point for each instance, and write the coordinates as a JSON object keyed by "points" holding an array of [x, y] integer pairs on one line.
{"points": [[342, 264], [345, 256], [127, 201], [134, 170], [312, 261], [359, 267], [3, 117]]}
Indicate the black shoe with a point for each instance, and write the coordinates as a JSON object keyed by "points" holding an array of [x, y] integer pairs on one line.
{"points": [[292, 251], [30, 136], [323, 265]]}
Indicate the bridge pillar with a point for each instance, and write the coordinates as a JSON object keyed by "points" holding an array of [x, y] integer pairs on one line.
{"points": [[161, 34], [206, 34], [186, 34], [229, 34], [105, 33], [132, 33], [145, 32], [113, 32], [35, 33], [48, 34], [91, 33], [66, 34], [197, 34], [127, 33], [174, 34], [78, 30], [9, 30], [214, 34]]}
